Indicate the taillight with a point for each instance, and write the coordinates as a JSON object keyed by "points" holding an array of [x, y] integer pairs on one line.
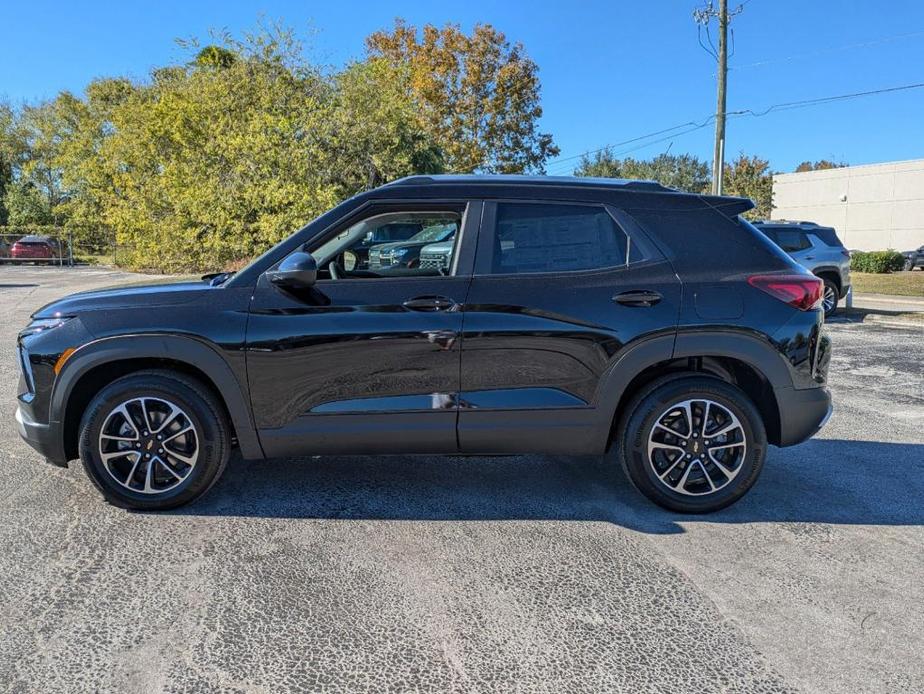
{"points": [[802, 292]]}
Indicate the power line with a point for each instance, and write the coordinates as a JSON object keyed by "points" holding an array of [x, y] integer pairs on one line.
{"points": [[783, 106], [824, 51]]}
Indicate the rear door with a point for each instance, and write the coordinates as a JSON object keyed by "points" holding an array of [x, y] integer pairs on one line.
{"points": [[559, 290]]}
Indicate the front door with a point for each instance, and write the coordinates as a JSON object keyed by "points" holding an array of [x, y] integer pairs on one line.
{"points": [[366, 361]]}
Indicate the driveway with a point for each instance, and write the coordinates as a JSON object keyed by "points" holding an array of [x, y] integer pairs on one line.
{"points": [[528, 573]]}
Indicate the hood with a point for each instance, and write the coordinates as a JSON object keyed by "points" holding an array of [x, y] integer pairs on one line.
{"points": [[150, 294], [438, 247], [397, 244]]}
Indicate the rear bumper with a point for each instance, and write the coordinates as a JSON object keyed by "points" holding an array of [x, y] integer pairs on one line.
{"points": [[44, 438], [803, 412]]}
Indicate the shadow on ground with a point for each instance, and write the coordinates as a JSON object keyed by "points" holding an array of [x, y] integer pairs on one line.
{"points": [[821, 481]]}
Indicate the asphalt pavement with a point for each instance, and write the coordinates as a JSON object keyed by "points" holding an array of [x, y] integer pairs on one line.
{"points": [[452, 574]]}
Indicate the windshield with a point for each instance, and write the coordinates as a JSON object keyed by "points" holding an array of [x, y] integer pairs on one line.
{"points": [[435, 233]]}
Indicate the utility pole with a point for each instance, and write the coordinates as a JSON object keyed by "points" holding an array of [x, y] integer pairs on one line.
{"points": [[703, 18], [718, 156]]}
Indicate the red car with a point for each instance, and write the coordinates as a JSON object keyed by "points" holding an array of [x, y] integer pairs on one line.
{"points": [[35, 248]]}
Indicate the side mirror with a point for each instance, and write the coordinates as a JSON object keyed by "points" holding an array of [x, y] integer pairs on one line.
{"points": [[298, 271]]}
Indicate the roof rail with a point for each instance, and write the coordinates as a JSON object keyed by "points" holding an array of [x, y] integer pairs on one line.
{"points": [[513, 179]]}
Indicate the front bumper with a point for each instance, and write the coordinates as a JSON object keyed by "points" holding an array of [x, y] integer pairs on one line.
{"points": [[803, 412], [44, 438]]}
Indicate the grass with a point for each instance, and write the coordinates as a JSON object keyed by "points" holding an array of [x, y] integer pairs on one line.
{"points": [[901, 283]]}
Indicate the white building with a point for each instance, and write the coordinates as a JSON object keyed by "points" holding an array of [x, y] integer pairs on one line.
{"points": [[872, 207]]}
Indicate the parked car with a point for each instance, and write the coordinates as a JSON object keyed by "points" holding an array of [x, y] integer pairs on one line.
{"points": [[597, 320], [406, 254], [817, 249], [35, 248], [914, 259], [359, 258], [437, 256]]}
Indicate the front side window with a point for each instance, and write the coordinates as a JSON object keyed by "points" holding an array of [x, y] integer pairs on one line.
{"points": [[532, 237], [390, 244]]}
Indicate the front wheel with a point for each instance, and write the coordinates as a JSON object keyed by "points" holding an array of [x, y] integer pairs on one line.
{"points": [[693, 444], [154, 440]]}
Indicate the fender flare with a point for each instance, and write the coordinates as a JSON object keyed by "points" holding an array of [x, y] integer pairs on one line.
{"points": [[186, 349], [756, 352]]}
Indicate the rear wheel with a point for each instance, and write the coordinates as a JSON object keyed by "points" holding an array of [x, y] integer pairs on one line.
{"points": [[154, 440], [694, 444], [830, 298]]}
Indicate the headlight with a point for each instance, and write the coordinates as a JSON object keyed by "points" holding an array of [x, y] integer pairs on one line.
{"points": [[40, 325]]}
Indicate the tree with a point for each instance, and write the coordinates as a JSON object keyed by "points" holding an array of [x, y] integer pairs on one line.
{"points": [[476, 95], [7, 157], [819, 165], [681, 171], [750, 177]]}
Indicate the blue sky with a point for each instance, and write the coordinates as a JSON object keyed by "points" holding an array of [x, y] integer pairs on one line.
{"points": [[610, 71]]}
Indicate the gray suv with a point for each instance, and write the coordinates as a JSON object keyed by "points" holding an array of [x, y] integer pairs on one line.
{"points": [[817, 249]]}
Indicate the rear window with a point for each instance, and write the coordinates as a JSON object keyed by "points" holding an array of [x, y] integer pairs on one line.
{"points": [[532, 237]]}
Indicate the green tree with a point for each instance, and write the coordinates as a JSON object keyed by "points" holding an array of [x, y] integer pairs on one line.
{"points": [[750, 177], [681, 171], [7, 156], [476, 95]]}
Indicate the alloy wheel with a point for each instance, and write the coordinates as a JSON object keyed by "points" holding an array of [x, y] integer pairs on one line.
{"points": [[148, 445], [696, 447], [830, 299]]}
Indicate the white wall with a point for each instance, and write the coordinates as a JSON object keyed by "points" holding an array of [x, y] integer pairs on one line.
{"points": [[884, 205]]}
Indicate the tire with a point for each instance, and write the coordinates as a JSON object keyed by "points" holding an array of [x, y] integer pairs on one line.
{"points": [[691, 492], [830, 294], [183, 466]]}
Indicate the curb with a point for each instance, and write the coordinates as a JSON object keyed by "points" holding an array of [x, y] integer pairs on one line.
{"points": [[890, 321]]}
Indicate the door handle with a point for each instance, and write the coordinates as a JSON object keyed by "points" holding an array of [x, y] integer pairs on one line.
{"points": [[638, 298], [429, 303]]}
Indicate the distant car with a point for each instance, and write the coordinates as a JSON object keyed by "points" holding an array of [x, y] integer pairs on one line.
{"points": [[406, 254], [817, 249], [359, 258], [34, 248], [914, 259]]}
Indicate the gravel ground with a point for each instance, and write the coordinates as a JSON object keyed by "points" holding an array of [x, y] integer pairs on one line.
{"points": [[473, 574]]}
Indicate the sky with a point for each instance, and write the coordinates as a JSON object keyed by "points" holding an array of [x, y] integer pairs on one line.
{"points": [[611, 71]]}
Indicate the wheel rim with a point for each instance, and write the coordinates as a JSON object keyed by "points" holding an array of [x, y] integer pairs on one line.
{"points": [[830, 300], [148, 445], [696, 447]]}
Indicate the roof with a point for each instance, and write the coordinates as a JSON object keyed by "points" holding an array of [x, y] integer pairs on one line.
{"points": [[787, 222], [513, 179]]}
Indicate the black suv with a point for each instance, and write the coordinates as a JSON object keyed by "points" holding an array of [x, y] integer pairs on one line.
{"points": [[578, 316]]}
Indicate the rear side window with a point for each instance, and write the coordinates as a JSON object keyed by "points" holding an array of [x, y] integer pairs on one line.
{"points": [[532, 237], [828, 236], [790, 240]]}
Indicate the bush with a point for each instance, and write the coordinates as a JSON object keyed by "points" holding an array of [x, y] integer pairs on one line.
{"points": [[878, 262]]}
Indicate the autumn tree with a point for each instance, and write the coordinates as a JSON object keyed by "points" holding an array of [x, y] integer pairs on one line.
{"points": [[750, 177], [477, 95], [819, 165]]}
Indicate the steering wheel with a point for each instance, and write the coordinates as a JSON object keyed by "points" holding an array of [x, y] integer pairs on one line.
{"points": [[334, 269]]}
